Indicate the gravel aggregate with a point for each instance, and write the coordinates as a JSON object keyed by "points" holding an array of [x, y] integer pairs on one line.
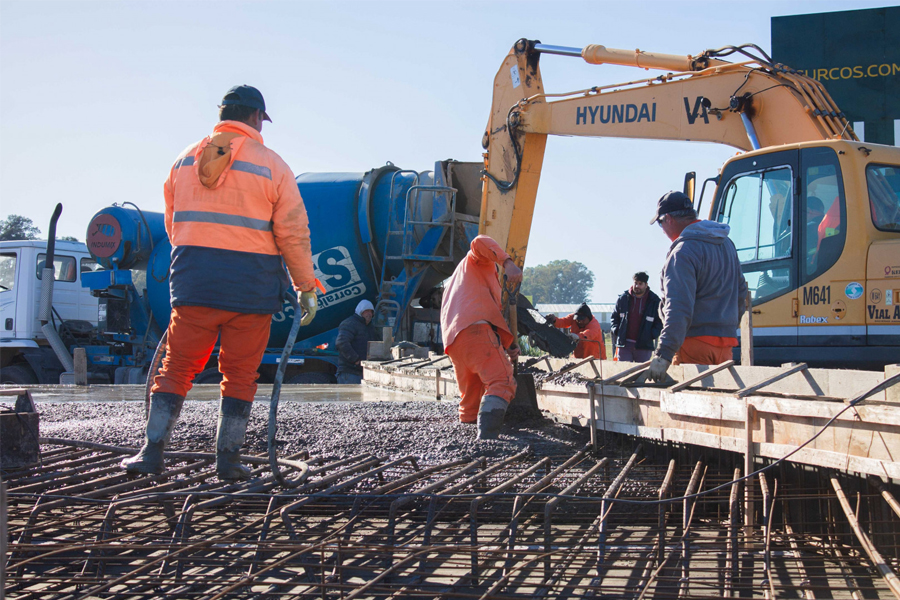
{"points": [[427, 429]]}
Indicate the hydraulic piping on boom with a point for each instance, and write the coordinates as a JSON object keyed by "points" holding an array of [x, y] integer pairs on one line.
{"points": [[783, 122]]}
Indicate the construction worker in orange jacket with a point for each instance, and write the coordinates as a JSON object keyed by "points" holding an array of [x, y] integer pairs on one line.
{"points": [[477, 338], [585, 329], [233, 214]]}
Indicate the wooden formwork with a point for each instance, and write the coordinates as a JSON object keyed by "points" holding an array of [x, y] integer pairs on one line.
{"points": [[763, 412]]}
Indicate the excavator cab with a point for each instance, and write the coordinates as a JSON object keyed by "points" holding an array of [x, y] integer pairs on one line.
{"points": [[801, 255]]}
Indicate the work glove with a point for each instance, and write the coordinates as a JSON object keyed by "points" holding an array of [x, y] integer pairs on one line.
{"points": [[658, 368], [513, 352], [574, 337], [550, 319], [309, 303]]}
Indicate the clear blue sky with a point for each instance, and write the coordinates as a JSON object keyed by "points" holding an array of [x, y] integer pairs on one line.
{"points": [[98, 98]]}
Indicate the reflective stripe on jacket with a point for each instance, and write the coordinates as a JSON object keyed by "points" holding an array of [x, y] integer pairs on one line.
{"points": [[233, 212]]}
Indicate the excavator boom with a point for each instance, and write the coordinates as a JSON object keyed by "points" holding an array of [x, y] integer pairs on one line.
{"points": [[748, 105]]}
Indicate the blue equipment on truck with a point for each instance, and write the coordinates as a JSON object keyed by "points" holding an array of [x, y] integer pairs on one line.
{"points": [[388, 235]]}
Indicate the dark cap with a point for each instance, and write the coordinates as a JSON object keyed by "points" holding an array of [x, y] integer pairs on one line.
{"points": [[670, 202], [246, 95], [584, 312]]}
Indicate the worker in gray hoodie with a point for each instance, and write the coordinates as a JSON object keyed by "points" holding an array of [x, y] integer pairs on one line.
{"points": [[703, 289]]}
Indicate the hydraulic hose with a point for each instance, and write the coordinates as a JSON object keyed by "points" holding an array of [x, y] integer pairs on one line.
{"points": [[274, 461], [154, 367]]}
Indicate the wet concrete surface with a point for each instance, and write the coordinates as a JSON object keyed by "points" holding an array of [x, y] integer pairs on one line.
{"points": [[329, 421]]}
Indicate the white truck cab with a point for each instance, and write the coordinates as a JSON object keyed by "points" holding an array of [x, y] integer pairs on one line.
{"points": [[25, 355]]}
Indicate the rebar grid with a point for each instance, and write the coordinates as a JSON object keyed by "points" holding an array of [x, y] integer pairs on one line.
{"points": [[367, 527]]}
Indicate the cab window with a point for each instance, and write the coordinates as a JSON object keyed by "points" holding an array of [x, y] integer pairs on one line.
{"points": [[823, 212], [7, 271], [88, 265], [884, 189], [63, 267], [758, 207]]}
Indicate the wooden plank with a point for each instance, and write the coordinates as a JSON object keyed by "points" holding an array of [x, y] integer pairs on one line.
{"points": [[80, 364], [701, 376], [747, 333], [640, 367], [12, 391], [758, 386], [889, 382], [704, 406]]}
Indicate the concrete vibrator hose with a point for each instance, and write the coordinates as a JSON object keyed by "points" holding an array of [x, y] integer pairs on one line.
{"points": [[274, 462]]}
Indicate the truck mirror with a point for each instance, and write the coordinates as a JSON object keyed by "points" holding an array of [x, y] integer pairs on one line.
{"points": [[690, 179]]}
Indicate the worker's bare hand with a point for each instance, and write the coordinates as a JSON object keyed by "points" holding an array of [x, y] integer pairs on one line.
{"points": [[512, 272], [513, 352]]}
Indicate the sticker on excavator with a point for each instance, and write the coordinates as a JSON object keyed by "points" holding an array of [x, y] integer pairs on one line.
{"points": [[514, 75], [336, 271]]}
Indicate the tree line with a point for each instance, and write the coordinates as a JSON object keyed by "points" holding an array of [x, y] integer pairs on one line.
{"points": [[17, 227]]}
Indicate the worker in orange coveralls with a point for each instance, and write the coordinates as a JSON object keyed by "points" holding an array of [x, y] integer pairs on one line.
{"points": [[233, 213], [477, 338], [585, 329]]}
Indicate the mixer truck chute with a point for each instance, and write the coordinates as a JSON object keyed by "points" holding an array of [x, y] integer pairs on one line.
{"points": [[803, 201]]}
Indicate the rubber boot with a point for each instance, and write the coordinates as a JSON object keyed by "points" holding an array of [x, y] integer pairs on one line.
{"points": [[233, 417], [164, 411], [490, 417]]}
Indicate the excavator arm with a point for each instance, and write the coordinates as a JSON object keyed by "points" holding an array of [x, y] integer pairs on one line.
{"points": [[748, 105]]}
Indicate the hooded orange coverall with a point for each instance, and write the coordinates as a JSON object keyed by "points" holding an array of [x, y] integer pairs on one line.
{"points": [[474, 332], [233, 212], [596, 348]]}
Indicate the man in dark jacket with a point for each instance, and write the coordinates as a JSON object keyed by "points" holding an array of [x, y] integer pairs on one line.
{"points": [[635, 322], [354, 335]]}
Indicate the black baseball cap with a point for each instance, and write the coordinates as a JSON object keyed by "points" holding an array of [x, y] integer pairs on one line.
{"points": [[246, 95], [670, 202]]}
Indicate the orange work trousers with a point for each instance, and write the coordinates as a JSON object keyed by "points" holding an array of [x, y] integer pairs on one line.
{"points": [[694, 351], [193, 331], [481, 367]]}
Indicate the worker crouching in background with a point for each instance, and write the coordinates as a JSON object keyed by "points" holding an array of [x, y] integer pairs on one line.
{"points": [[703, 289], [354, 335], [477, 338], [635, 322], [233, 213], [584, 329]]}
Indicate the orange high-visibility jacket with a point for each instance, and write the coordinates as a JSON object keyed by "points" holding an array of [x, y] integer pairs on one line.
{"points": [[233, 210], [472, 294], [593, 331]]}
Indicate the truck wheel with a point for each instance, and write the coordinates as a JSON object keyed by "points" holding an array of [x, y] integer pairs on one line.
{"points": [[313, 377], [211, 375], [18, 375]]}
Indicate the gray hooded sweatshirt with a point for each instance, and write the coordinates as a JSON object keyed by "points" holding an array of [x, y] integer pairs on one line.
{"points": [[703, 288]]}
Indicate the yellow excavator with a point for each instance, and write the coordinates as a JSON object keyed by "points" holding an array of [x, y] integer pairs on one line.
{"points": [[814, 213]]}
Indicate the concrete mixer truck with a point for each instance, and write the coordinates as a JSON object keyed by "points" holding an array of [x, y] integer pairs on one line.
{"points": [[388, 235]]}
